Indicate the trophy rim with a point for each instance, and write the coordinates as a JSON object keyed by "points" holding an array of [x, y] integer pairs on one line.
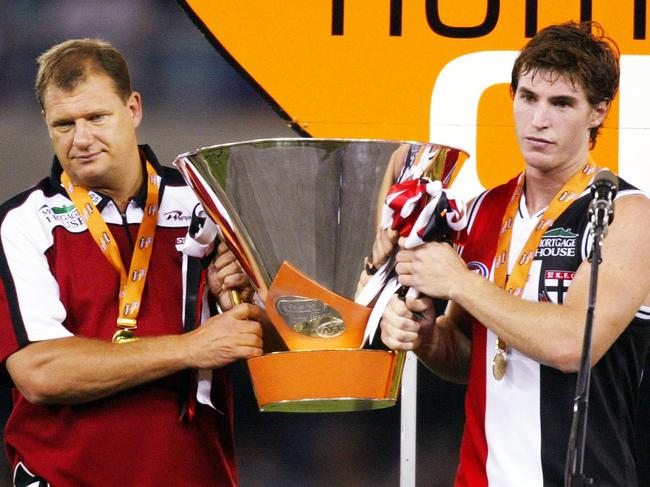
{"points": [[193, 152], [327, 405]]}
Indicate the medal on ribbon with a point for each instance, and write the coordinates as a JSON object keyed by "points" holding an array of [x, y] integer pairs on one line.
{"points": [[131, 283], [515, 282]]}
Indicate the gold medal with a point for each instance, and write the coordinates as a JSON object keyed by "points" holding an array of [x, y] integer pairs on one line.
{"points": [[124, 336], [499, 365]]}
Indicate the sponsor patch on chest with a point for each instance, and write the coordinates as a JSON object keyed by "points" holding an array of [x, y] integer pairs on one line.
{"points": [[66, 215], [176, 216], [559, 242]]}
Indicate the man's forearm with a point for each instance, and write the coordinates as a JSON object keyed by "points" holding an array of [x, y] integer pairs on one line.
{"points": [[447, 354], [76, 370]]}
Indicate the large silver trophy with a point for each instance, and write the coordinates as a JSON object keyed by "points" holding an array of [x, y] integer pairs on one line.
{"points": [[300, 215]]}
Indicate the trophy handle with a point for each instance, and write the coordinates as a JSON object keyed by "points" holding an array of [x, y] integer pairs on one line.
{"points": [[235, 297]]}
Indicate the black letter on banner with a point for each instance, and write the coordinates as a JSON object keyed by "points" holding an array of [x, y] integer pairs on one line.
{"points": [[585, 10], [395, 17], [639, 18], [531, 18], [337, 17], [491, 18], [531, 15]]}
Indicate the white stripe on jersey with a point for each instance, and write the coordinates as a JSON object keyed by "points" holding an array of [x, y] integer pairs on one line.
{"points": [[512, 421], [644, 313], [26, 234], [512, 407]]}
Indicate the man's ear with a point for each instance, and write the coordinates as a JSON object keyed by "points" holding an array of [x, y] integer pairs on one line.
{"points": [[134, 104], [49, 132], [598, 114]]}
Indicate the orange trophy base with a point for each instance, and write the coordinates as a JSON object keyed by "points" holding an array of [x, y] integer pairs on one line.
{"points": [[316, 381], [321, 373]]}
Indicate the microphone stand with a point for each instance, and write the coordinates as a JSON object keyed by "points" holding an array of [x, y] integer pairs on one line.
{"points": [[573, 473]]}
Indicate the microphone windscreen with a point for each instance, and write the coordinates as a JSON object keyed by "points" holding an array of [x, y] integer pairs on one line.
{"points": [[606, 177]]}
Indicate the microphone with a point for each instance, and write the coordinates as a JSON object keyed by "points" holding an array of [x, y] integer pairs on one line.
{"points": [[601, 208]]}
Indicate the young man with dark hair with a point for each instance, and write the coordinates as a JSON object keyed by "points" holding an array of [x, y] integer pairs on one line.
{"points": [[100, 301], [518, 288]]}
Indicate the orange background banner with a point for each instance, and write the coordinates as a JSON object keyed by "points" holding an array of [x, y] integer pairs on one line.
{"points": [[426, 70]]}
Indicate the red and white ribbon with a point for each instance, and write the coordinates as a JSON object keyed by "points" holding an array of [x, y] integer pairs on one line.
{"points": [[405, 203]]}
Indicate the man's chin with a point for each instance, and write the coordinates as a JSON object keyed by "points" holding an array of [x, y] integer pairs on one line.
{"points": [[90, 178], [538, 160]]}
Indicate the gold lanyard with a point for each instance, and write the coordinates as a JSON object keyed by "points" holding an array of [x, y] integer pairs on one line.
{"points": [[515, 283], [131, 284]]}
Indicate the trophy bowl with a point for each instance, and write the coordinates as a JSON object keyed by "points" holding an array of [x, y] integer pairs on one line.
{"points": [[300, 215]]}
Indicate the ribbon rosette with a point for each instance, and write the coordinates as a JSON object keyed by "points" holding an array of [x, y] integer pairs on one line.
{"points": [[443, 219], [420, 210], [406, 201]]}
